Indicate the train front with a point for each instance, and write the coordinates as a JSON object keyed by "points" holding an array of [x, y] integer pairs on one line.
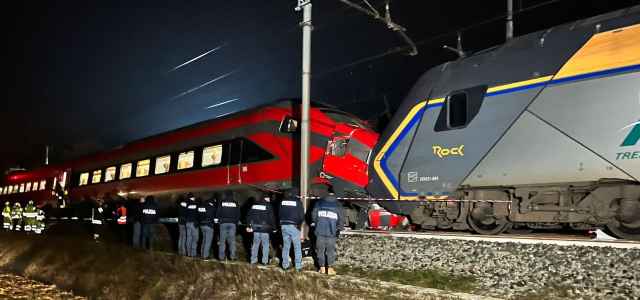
{"points": [[347, 155]]}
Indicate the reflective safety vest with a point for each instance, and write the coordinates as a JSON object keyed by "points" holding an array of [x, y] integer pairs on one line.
{"points": [[16, 213], [40, 216], [30, 212], [6, 212], [122, 215]]}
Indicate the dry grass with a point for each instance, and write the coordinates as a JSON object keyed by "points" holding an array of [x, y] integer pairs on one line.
{"points": [[111, 271]]}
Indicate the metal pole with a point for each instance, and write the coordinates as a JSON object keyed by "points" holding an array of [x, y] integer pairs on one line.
{"points": [[509, 19], [307, 27]]}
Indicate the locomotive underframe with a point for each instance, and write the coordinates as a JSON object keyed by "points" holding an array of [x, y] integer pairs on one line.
{"points": [[611, 204]]}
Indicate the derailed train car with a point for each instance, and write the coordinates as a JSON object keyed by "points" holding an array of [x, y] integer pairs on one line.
{"points": [[541, 132]]}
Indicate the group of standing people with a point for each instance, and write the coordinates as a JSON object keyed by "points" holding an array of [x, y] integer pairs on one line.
{"points": [[264, 217], [29, 219]]}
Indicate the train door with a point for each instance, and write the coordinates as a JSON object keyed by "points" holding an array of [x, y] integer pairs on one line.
{"points": [[234, 167]]}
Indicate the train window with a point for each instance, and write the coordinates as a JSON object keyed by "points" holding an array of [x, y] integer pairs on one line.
{"points": [[110, 174], [22, 188], [97, 176], [35, 186], [27, 188], [185, 160], [338, 147], [289, 125], [142, 168], [15, 188], [252, 152], [43, 184], [84, 179], [162, 164], [360, 151], [457, 108], [125, 171], [212, 156]]}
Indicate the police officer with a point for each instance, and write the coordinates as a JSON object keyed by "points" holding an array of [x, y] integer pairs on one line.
{"points": [[149, 219], [291, 214], [97, 218], [120, 215], [327, 218], [182, 227], [135, 217], [206, 216], [16, 216], [6, 216], [29, 216], [39, 225], [191, 223], [228, 215], [261, 221]]}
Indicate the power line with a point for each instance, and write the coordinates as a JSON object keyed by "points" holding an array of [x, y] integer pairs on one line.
{"points": [[401, 49]]}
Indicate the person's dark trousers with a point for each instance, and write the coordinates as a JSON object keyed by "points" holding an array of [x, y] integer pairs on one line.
{"points": [[227, 235], [182, 239], [207, 238], [147, 236], [192, 239], [326, 248], [136, 234]]}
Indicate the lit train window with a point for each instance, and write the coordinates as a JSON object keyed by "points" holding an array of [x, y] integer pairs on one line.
{"points": [[142, 168], [43, 184], [10, 191], [212, 156], [84, 179], [110, 174], [125, 171], [97, 176], [15, 188], [27, 187], [162, 164], [4, 190], [35, 186], [185, 160], [22, 188]]}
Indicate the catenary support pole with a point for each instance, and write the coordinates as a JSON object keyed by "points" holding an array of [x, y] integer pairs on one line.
{"points": [[307, 27], [509, 19]]}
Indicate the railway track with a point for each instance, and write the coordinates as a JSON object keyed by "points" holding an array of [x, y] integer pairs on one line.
{"points": [[532, 238]]}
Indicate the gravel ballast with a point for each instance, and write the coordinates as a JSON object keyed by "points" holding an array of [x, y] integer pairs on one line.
{"points": [[507, 270]]}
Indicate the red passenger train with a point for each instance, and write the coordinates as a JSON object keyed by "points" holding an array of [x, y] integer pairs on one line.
{"points": [[247, 152]]}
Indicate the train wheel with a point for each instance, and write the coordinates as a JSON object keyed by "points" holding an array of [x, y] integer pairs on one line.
{"points": [[483, 220], [626, 225]]}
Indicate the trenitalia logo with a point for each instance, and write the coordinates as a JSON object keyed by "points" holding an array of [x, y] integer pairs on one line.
{"points": [[634, 135]]}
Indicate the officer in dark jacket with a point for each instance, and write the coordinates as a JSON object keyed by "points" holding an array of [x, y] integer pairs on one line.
{"points": [[228, 215], [149, 219], [135, 217], [291, 214], [261, 221], [182, 227], [191, 223], [327, 218], [206, 216]]}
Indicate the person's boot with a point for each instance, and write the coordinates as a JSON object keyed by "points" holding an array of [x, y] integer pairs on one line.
{"points": [[322, 270], [331, 271]]}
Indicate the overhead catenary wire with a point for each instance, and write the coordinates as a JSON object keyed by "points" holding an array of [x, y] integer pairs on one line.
{"points": [[432, 38]]}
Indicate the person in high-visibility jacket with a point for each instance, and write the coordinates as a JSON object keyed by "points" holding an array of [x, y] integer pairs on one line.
{"points": [[16, 216], [38, 228], [6, 216], [29, 216]]}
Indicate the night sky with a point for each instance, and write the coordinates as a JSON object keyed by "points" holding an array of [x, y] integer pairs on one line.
{"points": [[85, 76]]}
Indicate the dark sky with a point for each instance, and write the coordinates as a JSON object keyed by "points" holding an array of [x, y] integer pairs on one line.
{"points": [[89, 75]]}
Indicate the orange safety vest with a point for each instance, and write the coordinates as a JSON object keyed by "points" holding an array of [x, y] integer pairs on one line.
{"points": [[122, 215]]}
